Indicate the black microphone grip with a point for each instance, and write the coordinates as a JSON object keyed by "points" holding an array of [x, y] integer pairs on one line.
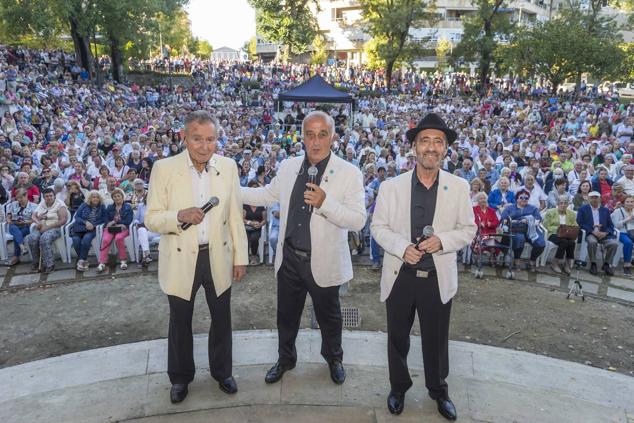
{"points": [[213, 201]]}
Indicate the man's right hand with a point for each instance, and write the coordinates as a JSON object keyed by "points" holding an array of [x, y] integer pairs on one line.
{"points": [[412, 255], [193, 215]]}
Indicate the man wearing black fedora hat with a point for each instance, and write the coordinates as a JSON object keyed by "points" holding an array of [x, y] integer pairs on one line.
{"points": [[421, 219]]}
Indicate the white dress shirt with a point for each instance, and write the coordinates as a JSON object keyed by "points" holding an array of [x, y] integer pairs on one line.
{"points": [[201, 188]]}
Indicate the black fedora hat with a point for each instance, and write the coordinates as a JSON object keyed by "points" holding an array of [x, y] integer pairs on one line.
{"points": [[432, 121]]}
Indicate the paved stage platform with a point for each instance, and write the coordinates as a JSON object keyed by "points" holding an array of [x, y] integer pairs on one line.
{"points": [[487, 384]]}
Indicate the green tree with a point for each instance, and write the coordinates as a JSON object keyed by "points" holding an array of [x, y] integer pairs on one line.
{"points": [[126, 22], [482, 31], [319, 54], [443, 49], [287, 22], [123, 25], [27, 21], [203, 49], [389, 22], [563, 48], [250, 47]]}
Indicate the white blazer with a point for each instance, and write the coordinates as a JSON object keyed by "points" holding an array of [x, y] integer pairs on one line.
{"points": [[343, 210], [454, 224]]}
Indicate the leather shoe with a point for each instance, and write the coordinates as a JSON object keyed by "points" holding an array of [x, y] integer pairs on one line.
{"points": [[593, 268], [396, 402], [228, 386], [276, 372], [337, 372], [178, 392], [608, 271], [446, 408]]}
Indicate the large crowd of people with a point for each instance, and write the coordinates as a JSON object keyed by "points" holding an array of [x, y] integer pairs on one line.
{"points": [[74, 151]]}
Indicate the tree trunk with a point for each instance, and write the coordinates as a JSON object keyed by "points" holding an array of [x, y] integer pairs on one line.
{"points": [[82, 47], [117, 59], [389, 70], [577, 85], [485, 60]]}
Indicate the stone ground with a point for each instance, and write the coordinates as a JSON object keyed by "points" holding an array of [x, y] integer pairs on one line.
{"points": [[127, 383], [44, 316]]}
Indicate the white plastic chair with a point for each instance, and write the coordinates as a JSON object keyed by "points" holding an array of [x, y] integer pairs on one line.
{"points": [[61, 243], [69, 242], [130, 242]]}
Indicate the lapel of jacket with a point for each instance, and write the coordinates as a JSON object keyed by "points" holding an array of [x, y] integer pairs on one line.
{"points": [[442, 198], [406, 203], [330, 173], [183, 180]]}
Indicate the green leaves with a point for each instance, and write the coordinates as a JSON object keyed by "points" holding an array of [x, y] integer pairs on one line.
{"points": [[389, 22], [287, 22], [482, 32], [573, 43]]}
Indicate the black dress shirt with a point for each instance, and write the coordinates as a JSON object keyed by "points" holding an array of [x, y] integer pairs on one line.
{"points": [[423, 207], [298, 225]]}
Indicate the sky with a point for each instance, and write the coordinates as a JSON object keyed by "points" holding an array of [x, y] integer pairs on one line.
{"points": [[222, 22]]}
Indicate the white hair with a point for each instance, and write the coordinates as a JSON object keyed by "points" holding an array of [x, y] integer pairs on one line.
{"points": [[325, 116]]}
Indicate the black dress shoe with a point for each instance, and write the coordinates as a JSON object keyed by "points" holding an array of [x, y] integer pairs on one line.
{"points": [[337, 372], [178, 392], [593, 268], [396, 402], [608, 271], [446, 408], [276, 372], [228, 386]]}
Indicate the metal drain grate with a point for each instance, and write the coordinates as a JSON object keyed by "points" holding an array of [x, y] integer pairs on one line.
{"points": [[350, 316]]}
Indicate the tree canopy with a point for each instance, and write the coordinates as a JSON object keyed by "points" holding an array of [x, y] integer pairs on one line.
{"points": [[287, 22], [124, 27], [389, 23], [483, 31]]}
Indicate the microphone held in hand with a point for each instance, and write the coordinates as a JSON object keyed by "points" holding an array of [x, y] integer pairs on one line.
{"points": [[428, 232], [213, 202], [312, 179]]}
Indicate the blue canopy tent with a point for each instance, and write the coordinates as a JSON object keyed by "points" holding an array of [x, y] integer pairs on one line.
{"points": [[317, 90]]}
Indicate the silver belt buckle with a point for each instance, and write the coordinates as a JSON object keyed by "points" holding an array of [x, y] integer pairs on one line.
{"points": [[422, 273]]}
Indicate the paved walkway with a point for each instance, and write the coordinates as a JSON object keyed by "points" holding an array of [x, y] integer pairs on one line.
{"points": [[618, 288], [487, 384]]}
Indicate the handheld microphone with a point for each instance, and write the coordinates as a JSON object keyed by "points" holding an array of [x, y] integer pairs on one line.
{"points": [[213, 202], [312, 179], [428, 232]]}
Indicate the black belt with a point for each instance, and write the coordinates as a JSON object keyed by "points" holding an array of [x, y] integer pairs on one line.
{"points": [[424, 274], [203, 247], [301, 253]]}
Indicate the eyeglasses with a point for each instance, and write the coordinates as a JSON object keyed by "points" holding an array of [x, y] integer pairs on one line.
{"points": [[523, 197]]}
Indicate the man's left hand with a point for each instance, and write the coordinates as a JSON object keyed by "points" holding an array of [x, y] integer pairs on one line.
{"points": [[431, 245], [239, 272], [314, 196]]}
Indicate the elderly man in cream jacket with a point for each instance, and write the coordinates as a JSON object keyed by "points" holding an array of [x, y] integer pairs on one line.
{"points": [[211, 253]]}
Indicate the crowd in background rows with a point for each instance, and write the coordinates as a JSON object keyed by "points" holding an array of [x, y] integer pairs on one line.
{"points": [[92, 147]]}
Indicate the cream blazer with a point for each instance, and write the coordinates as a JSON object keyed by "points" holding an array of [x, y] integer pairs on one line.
{"points": [[170, 191], [343, 210], [454, 224]]}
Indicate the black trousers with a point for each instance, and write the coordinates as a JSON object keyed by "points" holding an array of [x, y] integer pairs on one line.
{"points": [[294, 280], [254, 241], [565, 247], [411, 294], [180, 353]]}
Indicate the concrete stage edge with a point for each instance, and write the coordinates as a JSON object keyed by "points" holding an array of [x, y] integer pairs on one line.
{"points": [[487, 384]]}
